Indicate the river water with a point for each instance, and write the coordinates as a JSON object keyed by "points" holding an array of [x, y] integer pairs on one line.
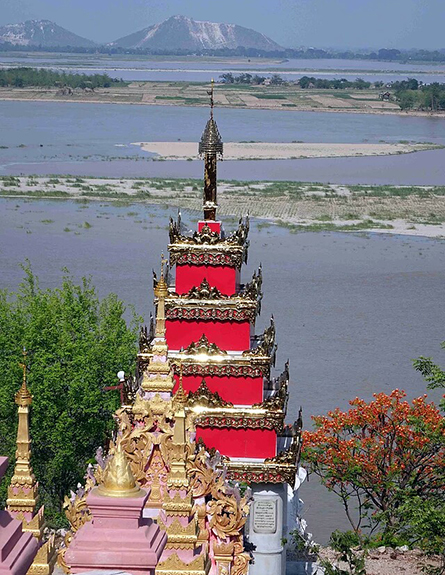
{"points": [[82, 139], [351, 310], [201, 70]]}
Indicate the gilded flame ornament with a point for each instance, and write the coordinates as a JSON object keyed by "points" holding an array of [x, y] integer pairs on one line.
{"points": [[118, 480]]}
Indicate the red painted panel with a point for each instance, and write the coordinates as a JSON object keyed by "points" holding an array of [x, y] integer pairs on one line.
{"points": [[240, 442], [228, 335], [214, 226], [222, 277], [237, 390]]}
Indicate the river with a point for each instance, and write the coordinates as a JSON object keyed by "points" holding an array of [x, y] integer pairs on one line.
{"points": [[351, 310], [195, 69], [82, 139]]}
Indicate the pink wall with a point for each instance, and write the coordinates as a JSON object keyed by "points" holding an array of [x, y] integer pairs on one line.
{"points": [[225, 278], [238, 390], [228, 335], [240, 442]]}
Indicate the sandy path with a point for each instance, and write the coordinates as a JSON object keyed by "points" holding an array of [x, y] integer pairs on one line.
{"points": [[280, 151]]}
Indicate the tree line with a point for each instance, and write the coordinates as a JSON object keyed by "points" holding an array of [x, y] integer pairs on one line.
{"points": [[46, 78], [385, 54], [413, 95]]}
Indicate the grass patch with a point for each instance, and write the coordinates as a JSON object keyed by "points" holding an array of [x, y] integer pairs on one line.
{"points": [[271, 96]]}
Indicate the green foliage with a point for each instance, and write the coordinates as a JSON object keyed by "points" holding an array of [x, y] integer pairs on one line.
{"points": [[324, 84], [76, 344], [411, 94], [343, 543], [46, 78], [424, 524], [433, 374]]}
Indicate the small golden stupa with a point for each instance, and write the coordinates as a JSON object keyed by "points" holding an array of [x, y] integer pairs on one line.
{"points": [[118, 479]]}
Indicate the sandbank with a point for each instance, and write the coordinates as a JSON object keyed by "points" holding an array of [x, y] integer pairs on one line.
{"points": [[281, 151]]}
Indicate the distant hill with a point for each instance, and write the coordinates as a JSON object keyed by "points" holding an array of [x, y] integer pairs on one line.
{"points": [[181, 33], [41, 33]]}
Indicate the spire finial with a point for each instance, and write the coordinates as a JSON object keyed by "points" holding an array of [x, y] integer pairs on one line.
{"points": [[161, 290], [210, 148], [23, 397], [212, 101]]}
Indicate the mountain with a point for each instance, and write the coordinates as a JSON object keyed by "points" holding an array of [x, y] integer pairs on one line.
{"points": [[41, 33], [181, 33]]}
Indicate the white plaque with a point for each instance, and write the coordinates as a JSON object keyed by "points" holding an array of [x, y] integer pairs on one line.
{"points": [[265, 516]]}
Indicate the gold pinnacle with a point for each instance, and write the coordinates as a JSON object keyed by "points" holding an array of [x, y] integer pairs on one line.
{"points": [[23, 397], [118, 478], [161, 289]]}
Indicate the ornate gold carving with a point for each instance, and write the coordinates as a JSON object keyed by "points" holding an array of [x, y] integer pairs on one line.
{"points": [[204, 291], [36, 525], [118, 480], [227, 310], [228, 513], [276, 402], [45, 559], [246, 420], [178, 535], [256, 367], [145, 338], [173, 565], [203, 397], [266, 345], [252, 290], [207, 247], [177, 505], [203, 346], [241, 559], [76, 511]]}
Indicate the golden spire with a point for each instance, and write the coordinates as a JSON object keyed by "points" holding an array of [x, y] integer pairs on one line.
{"points": [[23, 397], [157, 377], [22, 492], [161, 289], [210, 148], [177, 477], [180, 397], [118, 479]]}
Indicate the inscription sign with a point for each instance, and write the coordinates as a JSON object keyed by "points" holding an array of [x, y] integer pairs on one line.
{"points": [[265, 516]]}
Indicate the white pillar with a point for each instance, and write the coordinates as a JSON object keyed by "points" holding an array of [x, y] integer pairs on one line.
{"points": [[266, 529]]}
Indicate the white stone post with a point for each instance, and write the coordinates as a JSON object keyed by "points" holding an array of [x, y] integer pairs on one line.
{"points": [[266, 529]]}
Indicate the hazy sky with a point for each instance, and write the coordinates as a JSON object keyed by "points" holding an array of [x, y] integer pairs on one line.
{"points": [[336, 23]]}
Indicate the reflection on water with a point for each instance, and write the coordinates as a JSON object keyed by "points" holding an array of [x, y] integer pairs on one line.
{"points": [[351, 311]]}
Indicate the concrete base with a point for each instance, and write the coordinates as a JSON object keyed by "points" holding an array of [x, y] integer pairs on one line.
{"points": [[17, 549], [117, 538]]}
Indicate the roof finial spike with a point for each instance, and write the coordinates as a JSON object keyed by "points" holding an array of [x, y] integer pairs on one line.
{"points": [[212, 100], [23, 397], [161, 289]]}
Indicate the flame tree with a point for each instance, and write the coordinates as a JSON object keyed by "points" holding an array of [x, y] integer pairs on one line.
{"points": [[379, 456]]}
